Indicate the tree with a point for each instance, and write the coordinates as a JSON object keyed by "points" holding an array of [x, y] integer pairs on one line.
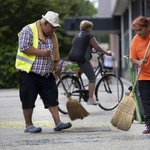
{"points": [[15, 14]]}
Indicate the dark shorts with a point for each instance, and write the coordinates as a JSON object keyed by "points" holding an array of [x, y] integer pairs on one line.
{"points": [[31, 84], [88, 70]]}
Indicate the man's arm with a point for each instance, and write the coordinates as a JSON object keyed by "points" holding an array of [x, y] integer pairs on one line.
{"points": [[37, 52]]}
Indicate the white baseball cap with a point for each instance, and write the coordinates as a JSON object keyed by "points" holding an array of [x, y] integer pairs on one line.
{"points": [[52, 18]]}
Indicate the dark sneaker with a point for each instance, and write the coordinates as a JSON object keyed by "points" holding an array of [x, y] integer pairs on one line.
{"points": [[33, 129], [147, 130], [62, 126]]}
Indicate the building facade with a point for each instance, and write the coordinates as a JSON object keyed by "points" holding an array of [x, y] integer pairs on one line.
{"points": [[115, 18], [128, 10]]}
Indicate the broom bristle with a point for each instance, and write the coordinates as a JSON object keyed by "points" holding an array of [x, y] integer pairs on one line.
{"points": [[76, 110], [123, 115]]}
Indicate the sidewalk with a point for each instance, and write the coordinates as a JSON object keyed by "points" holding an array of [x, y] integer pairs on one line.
{"points": [[93, 132]]}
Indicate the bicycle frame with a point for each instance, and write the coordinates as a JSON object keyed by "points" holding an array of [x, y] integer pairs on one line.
{"points": [[76, 86], [99, 70], [102, 71], [135, 98]]}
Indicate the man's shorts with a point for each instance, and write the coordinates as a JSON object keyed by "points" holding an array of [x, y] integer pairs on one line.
{"points": [[31, 84]]}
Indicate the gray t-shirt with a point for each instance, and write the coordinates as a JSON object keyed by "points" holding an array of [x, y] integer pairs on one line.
{"points": [[80, 44]]}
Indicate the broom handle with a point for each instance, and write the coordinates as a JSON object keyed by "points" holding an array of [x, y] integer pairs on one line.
{"points": [[140, 68], [61, 80], [64, 87]]}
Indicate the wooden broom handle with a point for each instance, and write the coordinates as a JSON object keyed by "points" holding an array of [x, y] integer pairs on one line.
{"points": [[61, 80], [64, 87], [140, 68]]}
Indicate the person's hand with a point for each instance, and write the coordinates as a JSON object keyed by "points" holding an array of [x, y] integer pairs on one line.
{"points": [[57, 71], [109, 53], [137, 62], [46, 52], [142, 62]]}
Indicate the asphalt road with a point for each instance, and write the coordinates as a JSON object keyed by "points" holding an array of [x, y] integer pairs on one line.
{"points": [[94, 132]]}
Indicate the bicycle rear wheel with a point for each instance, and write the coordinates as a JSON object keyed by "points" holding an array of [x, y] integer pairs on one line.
{"points": [[72, 84], [109, 91]]}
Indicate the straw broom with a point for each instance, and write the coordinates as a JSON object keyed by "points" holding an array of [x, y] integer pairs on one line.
{"points": [[74, 107], [123, 115]]}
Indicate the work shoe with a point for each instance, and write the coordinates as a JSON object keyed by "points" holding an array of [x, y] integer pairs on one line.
{"points": [[62, 126], [147, 130], [33, 129], [92, 101]]}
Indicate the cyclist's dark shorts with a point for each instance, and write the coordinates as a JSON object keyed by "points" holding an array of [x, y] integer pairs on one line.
{"points": [[87, 68], [31, 84]]}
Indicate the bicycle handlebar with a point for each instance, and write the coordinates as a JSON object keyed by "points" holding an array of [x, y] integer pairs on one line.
{"points": [[100, 54]]}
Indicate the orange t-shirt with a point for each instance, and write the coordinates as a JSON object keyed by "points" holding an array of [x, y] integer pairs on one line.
{"points": [[138, 49]]}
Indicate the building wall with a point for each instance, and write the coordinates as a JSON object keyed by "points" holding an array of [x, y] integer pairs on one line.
{"points": [[104, 9], [135, 9], [115, 49], [128, 12]]}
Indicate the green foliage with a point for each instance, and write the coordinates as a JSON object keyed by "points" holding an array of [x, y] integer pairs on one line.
{"points": [[8, 73], [15, 14], [105, 38]]}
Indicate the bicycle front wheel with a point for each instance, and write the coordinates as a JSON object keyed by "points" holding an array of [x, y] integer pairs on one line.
{"points": [[109, 91], [71, 84]]}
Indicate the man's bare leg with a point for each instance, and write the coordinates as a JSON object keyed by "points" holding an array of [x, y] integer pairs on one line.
{"points": [[55, 114], [28, 117]]}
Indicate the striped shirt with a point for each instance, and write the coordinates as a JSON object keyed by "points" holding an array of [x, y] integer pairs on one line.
{"points": [[41, 65]]}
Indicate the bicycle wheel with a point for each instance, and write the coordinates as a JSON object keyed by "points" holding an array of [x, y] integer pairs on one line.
{"points": [[72, 84], [109, 91]]}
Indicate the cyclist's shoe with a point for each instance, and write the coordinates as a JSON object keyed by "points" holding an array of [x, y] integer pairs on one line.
{"points": [[92, 101], [147, 130]]}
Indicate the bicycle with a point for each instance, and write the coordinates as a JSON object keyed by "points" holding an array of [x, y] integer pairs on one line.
{"points": [[108, 90]]}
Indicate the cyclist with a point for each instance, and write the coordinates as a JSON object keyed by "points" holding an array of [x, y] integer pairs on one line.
{"points": [[82, 45]]}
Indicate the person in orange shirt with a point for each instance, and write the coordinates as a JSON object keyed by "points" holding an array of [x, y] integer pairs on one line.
{"points": [[139, 44]]}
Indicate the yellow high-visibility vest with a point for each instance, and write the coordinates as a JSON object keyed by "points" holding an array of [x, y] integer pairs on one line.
{"points": [[23, 61]]}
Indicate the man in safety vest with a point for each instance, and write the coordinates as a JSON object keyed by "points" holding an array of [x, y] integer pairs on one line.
{"points": [[37, 43]]}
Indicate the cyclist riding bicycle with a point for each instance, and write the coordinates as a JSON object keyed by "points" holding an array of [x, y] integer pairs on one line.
{"points": [[82, 45]]}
